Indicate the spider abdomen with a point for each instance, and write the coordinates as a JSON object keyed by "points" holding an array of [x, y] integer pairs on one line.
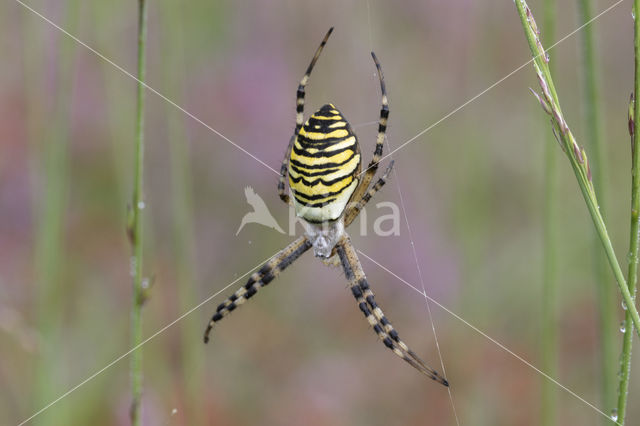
{"points": [[324, 166]]}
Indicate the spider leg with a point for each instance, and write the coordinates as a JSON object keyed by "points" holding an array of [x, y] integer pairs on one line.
{"points": [[382, 122], [388, 327], [283, 172], [355, 208], [376, 318], [299, 118], [258, 279], [371, 170]]}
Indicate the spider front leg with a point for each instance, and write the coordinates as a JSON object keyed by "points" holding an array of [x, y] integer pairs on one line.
{"points": [[299, 118], [356, 207], [371, 170], [376, 318], [259, 279]]}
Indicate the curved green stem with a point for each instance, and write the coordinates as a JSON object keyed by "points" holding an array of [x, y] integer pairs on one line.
{"points": [[576, 155]]}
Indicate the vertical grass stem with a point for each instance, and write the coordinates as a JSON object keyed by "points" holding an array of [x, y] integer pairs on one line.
{"points": [[634, 116], [135, 225], [549, 277], [593, 134]]}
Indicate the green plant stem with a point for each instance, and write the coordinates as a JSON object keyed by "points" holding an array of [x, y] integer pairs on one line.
{"points": [[135, 228], [605, 296], [634, 117], [116, 111], [48, 120], [549, 279], [576, 155], [182, 208]]}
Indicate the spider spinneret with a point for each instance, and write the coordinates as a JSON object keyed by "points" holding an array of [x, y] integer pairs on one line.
{"points": [[328, 191]]}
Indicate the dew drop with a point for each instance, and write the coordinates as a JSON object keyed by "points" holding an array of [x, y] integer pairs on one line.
{"points": [[140, 205], [624, 305], [614, 415], [250, 242], [145, 283], [174, 411], [623, 327]]}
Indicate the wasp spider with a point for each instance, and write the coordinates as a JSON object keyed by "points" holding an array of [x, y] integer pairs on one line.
{"points": [[323, 162]]}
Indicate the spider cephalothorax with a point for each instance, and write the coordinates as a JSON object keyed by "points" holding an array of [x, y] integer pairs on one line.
{"points": [[328, 192]]}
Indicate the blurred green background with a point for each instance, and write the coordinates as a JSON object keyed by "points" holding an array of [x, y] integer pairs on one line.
{"points": [[300, 353]]}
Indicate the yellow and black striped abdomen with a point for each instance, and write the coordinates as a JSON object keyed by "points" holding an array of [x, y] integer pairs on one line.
{"points": [[324, 166]]}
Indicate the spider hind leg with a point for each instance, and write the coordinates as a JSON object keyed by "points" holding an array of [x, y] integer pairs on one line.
{"points": [[374, 315], [393, 334], [267, 273]]}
